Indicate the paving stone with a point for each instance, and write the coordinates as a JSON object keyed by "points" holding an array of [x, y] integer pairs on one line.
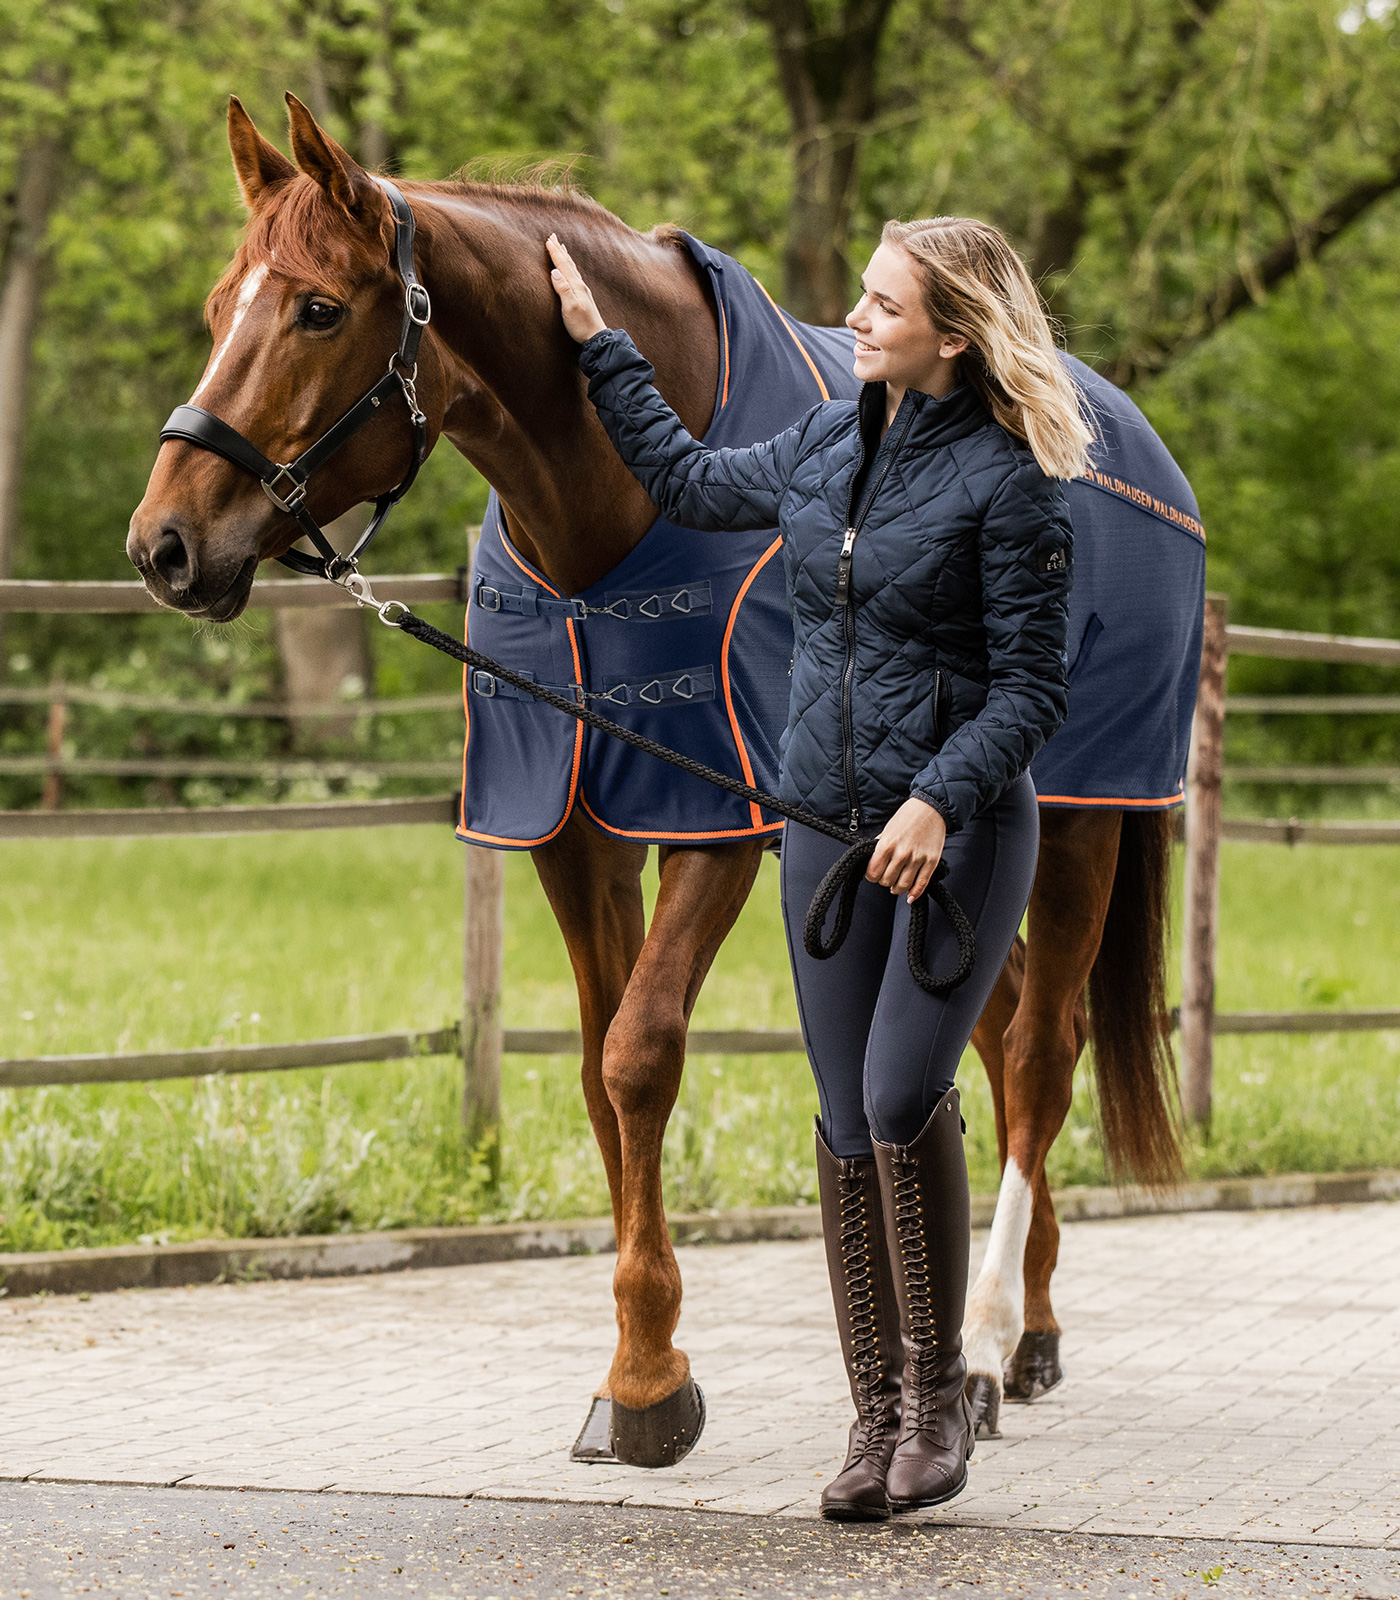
{"points": [[1228, 1376]]}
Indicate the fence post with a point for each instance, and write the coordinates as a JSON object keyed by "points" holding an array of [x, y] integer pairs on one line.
{"points": [[53, 778], [484, 935], [1204, 774]]}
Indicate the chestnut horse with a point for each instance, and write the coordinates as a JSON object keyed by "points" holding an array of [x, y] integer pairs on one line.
{"points": [[303, 321]]}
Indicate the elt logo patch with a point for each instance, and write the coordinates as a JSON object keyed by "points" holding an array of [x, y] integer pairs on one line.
{"points": [[1053, 561]]}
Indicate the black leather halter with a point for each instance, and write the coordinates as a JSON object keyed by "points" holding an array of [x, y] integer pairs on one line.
{"points": [[285, 485]]}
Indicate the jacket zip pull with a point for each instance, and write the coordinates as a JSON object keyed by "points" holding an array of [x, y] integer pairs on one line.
{"points": [[843, 567]]}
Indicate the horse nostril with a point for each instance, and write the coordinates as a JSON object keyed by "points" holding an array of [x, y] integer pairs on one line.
{"points": [[171, 559]]}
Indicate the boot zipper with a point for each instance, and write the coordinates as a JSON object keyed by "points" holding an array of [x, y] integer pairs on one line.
{"points": [[843, 599]]}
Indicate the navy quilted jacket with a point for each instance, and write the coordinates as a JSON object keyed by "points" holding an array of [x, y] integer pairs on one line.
{"points": [[930, 641]]}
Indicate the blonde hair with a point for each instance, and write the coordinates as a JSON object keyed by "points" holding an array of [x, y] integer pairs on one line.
{"points": [[977, 288]]}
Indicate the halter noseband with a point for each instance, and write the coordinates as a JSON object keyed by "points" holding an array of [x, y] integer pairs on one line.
{"points": [[285, 485]]}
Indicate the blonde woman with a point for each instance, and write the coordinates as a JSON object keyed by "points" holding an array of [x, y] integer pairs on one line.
{"points": [[928, 552]]}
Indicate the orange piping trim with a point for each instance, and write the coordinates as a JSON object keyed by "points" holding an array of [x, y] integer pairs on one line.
{"points": [[755, 815], [1087, 800], [462, 831], [782, 317], [724, 335], [652, 833]]}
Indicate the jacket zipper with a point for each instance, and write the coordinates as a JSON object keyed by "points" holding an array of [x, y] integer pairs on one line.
{"points": [[844, 599]]}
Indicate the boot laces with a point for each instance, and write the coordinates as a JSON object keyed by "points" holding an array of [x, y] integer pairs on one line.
{"points": [[911, 1229], [873, 1404]]}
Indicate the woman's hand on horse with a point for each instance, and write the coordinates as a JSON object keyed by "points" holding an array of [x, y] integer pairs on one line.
{"points": [[581, 318], [908, 850]]}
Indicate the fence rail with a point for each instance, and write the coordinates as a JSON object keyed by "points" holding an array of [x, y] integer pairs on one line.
{"points": [[27, 1072], [290, 817], [1268, 830], [118, 700], [1313, 775], [211, 767], [1283, 644], [269, 594], [1311, 704]]}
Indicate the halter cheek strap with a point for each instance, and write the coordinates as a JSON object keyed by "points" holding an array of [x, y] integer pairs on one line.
{"points": [[286, 484]]}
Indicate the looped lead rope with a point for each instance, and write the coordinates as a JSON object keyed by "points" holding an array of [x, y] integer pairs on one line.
{"points": [[844, 879]]}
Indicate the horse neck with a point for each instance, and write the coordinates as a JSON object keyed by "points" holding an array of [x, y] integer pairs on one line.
{"points": [[515, 405]]}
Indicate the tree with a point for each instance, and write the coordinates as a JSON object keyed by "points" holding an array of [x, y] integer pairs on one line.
{"points": [[827, 60], [1163, 165]]}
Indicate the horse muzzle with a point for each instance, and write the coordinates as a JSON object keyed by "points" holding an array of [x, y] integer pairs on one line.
{"points": [[181, 578]]}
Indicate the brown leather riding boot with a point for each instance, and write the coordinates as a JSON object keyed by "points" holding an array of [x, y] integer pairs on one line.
{"points": [[867, 1315], [923, 1186]]}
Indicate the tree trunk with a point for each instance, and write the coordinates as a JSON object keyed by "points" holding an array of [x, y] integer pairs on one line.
{"points": [[37, 190], [827, 74], [325, 654]]}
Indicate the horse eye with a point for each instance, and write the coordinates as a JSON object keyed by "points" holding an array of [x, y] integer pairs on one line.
{"points": [[319, 314]]}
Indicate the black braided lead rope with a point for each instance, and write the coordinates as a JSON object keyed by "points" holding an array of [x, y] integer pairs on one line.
{"points": [[843, 877]]}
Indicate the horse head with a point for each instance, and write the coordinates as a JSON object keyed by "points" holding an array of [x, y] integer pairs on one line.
{"points": [[305, 321]]}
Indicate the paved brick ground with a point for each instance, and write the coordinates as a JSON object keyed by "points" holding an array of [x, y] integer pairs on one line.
{"points": [[1229, 1376]]}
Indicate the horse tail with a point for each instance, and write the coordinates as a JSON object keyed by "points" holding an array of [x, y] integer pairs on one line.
{"points": [[1135, 1071]]}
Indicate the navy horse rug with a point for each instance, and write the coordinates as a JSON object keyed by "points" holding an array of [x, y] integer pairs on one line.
{"points": [[1136, 612], [688, 640]]}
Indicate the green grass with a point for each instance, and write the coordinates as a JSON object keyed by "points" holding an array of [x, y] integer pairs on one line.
{"points": [[165, 944]]}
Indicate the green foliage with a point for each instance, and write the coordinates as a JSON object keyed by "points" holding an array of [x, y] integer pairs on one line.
{"points": [[1288, 423]]}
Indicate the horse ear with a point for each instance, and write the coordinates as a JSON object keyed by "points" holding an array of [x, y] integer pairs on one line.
{"points": [[318, 155], [257, 163]]}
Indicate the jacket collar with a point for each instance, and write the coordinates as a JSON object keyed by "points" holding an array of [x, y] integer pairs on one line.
{"points": [[959, 413]]}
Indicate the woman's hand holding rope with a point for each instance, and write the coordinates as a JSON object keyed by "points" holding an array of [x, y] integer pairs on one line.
{"points": [[909, 849]]}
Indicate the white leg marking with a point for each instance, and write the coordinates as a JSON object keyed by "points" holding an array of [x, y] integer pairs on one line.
{"points": [[246, 295], [996, 1309]]}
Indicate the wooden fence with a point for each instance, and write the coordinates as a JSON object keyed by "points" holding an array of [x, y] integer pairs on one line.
{"points": [[1206, 828], [480, 1038]]}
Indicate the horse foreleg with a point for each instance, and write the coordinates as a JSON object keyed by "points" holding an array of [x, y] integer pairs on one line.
{"points": [[593, 884], [657, 1412], [1040, 1046]]}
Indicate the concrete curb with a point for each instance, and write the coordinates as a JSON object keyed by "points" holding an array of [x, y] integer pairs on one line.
{"points": [[173, 1266]]}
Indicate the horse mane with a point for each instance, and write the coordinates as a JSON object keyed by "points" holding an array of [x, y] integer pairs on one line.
{"points": [[298, 232]]}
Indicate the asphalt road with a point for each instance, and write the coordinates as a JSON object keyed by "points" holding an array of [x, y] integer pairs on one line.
{"points": [[129, 1543]]}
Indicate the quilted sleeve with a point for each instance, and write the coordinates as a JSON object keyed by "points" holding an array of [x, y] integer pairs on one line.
{"points": [[1026, 559], [712, 490]]}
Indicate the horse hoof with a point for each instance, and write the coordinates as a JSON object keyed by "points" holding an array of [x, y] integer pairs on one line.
{"points": [[594, 1442], [659, 1435], [1034, 1367], [984, 1401]]}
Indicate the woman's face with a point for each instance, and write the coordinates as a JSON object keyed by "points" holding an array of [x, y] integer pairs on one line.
{"points": [[895, 341]]}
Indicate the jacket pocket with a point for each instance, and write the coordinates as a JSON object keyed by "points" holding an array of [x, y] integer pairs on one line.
{"points": [[942, 705]]}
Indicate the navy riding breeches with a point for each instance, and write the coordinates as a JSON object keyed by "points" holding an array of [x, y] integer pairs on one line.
{"points": [[883, 1051]]}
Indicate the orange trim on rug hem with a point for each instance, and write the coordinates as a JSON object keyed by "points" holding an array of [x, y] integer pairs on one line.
{"points": [[1098, 800], [692, 838]]}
